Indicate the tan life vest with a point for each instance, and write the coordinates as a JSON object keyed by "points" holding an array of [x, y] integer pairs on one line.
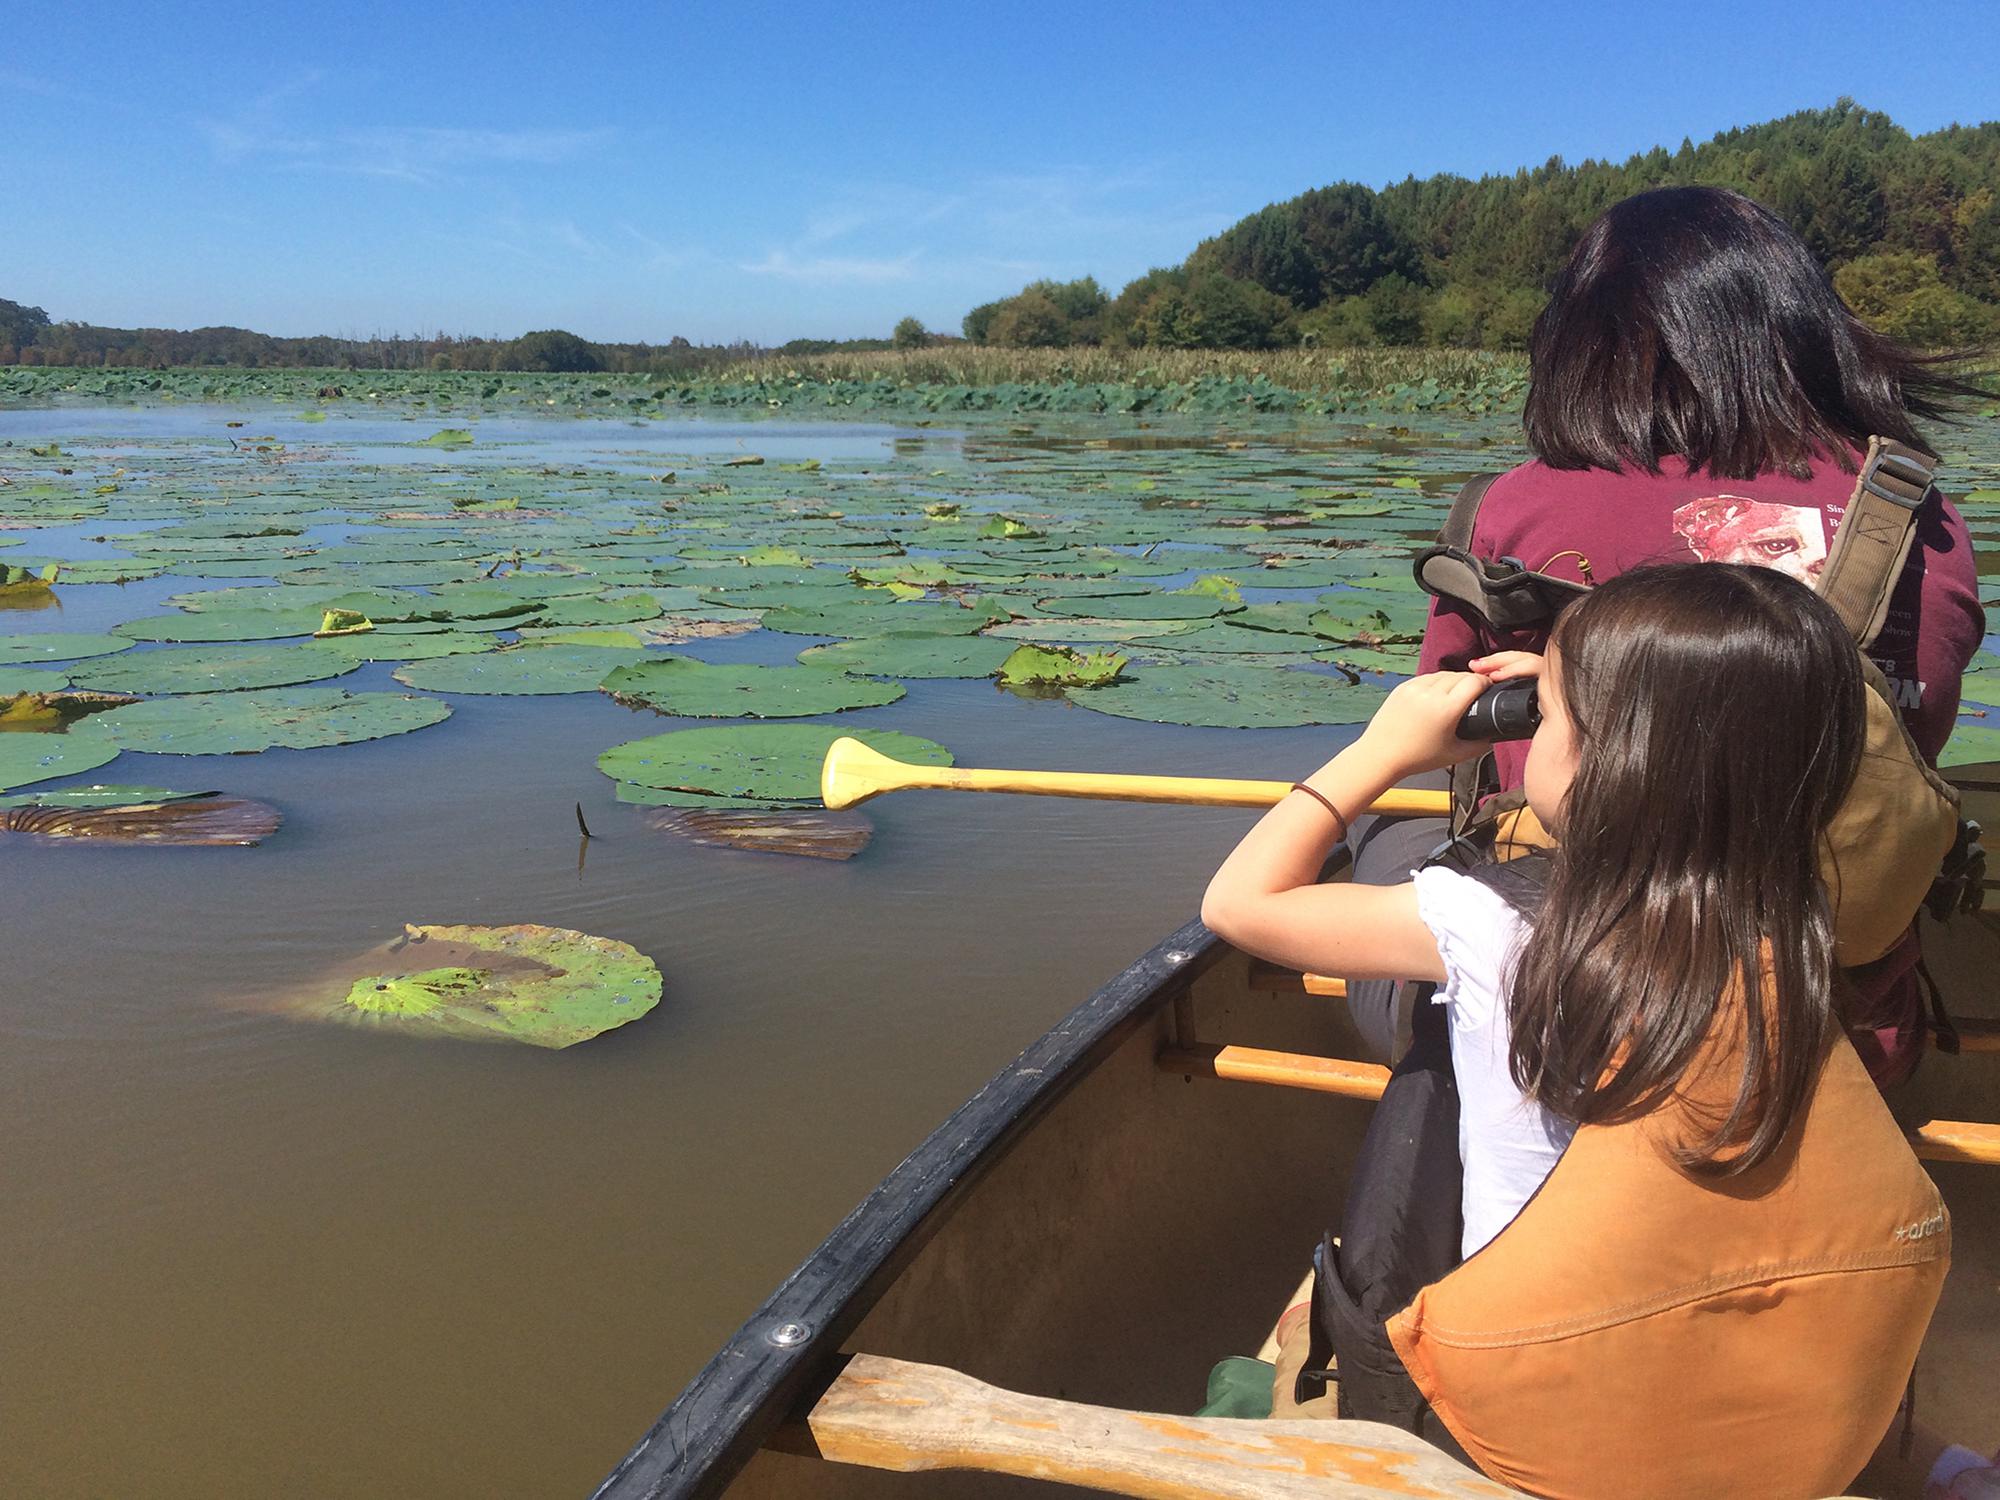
{"points": [[1642, 1332]]}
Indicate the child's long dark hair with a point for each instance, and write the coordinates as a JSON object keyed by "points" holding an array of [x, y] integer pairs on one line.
{"points": [[1718, 719], [1692, 321]]}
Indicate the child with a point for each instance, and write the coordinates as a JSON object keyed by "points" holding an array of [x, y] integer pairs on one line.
{"points": [[1658, 1013]]}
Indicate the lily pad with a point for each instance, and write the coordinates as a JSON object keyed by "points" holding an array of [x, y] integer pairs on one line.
{"points": [[1981, 687], [14, 680], [205, 820], [1223, 639], [1227, 696], [223, 625], [1059, 666], [213, 669], [1142, 607], [545, 986], [398, 645], [58, 646], [879, 619], [1971, 745], [28, 758], [519, 670], [917, 657], [99, 795], [749, 763], [700, 690], [296, 718]]}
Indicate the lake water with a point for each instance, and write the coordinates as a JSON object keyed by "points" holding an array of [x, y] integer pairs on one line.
{"points": [[245, 1256]]}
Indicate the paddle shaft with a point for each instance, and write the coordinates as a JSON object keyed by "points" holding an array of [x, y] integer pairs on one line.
{"points": [[1200, 791]]}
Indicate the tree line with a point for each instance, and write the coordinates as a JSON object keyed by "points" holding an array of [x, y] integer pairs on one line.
{"points": [[1908, 225]]}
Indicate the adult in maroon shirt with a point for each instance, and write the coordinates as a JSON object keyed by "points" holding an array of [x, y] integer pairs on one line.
{"points": [[1698, 390]]}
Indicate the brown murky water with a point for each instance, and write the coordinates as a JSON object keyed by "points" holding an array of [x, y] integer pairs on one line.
{"points": [[244, 1257]]}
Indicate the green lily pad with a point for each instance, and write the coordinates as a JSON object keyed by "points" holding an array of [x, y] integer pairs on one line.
{"points": [[223, 625], [57, 646], [1088, 632], [917, 657], [99, 796], [1224, 639], [15, 680], [449, 437], [28, 758], [1059, 666], [1969, 745], [1142, 607], [878, 619], [1981, 687], [296, 718], [747, 764], [700, 690], [545, 986], [625, 610], [401, 645], [519, 670], [212, 669], [1227, 696]]}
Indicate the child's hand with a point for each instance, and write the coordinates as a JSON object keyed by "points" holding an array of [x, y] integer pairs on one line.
{"points": [[1417, 728], [1504, 666]]}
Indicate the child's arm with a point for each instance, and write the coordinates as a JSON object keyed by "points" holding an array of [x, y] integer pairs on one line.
{"points": [[1266, 898]]}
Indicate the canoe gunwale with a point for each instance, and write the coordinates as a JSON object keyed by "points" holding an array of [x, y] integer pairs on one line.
{"points": [[746, 1391]]}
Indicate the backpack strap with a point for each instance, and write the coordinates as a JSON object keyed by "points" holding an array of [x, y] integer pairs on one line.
{"points": [[1866, 559], [1507, 594]]}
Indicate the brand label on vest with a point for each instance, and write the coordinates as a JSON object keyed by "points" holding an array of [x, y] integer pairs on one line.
{"points": [[1923, 1229]]}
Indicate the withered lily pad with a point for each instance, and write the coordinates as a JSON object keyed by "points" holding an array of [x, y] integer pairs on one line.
{"points": [[813, 833], [545, 986], [207, 820], [41, 712], [700, 690]]}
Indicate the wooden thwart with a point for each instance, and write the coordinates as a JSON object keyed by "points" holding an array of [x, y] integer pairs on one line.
{"points": [[1936, 1140], [891, 1414]]}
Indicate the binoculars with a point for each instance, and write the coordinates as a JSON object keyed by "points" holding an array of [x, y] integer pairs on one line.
{"points": [[1505, 711]]}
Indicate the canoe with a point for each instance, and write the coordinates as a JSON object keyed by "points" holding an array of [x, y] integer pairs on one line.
{"points": [[1131, 1199]]}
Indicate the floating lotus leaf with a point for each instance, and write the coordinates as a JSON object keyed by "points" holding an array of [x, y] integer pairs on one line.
{"points": [[448, 437], [1969, 745], [811, 832], [623, 610], [223, 625], [213, 669], [1142, 607], [518, 670], [15, 680], [98, 795], [297, 718], [879, 619], [205, 820], [1981, 687], [28, 758], [1226, 639], [400, 645], [57, 646], [343, 622], [673, 630], [1227, 696], [701, 690], [564, 635], [1372, 626], [1087, 632], [1396, 663], [752, 763], [912, 656], [1059, 666], [805, 596], [546, 986]]}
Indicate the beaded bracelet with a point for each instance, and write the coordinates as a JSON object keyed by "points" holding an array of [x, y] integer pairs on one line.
{"points": [[1321, 798]]}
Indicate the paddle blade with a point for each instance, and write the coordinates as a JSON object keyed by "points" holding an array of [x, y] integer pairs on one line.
{"points": [[852, 773]]}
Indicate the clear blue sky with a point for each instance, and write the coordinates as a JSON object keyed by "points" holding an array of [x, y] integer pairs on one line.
{"points": [[635, 170]]}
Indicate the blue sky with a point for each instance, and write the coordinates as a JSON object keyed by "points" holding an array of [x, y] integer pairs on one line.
{"points": [[765, 171]]}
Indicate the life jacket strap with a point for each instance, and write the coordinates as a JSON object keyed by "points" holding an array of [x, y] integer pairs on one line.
{"points": [[1508, 594], [1865, 562]]}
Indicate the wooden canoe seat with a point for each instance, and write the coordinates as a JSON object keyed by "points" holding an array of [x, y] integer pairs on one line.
{"points": [[891, 1414], [1936, 1140], [1974, 1034]]}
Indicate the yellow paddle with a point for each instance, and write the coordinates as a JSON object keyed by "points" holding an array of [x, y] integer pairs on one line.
{"points": [[852, 773]]}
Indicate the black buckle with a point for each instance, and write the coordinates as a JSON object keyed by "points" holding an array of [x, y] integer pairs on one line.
{"points": [[1908, 471]]}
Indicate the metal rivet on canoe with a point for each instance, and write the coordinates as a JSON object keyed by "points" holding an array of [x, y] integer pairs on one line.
{"points": [[789, 1335]]}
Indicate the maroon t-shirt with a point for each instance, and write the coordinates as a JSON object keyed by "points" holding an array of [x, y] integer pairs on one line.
{"points": [[1590, 524]]}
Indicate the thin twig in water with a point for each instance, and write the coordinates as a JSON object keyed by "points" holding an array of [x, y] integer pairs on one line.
{"points": [[585, 827]]}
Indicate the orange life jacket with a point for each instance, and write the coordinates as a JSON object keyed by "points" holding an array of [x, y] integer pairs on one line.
{"points": [[1640, 1331]]}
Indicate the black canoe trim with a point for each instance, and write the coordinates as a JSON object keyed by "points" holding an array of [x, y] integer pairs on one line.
{"points": [[728, 1411]]}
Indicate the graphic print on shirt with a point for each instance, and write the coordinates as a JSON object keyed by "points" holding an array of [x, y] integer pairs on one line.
{"points": [[1737, 529]]}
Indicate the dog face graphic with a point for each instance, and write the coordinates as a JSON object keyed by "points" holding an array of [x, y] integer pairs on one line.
{"points": [[1733, 528]]}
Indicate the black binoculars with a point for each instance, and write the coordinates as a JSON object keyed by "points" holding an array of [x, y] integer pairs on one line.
{"points": [[1505, 711]]}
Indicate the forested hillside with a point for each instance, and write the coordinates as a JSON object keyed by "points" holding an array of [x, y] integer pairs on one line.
{"points": [[1909, 225]]}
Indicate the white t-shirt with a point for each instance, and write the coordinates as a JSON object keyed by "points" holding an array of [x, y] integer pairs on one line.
{"points": [[1507, 1143]]}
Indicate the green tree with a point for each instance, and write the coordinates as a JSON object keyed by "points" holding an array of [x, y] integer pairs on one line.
{"points": [[21, 325], [551, 349], [1029, 320], [1901, 294], [909, 334]]}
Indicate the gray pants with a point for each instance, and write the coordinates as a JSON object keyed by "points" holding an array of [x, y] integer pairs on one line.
{"points": [[1386, 850]]}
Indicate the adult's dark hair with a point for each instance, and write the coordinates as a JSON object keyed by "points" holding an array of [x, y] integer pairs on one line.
{"points": [[1691, 321], [1719, 717]]}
